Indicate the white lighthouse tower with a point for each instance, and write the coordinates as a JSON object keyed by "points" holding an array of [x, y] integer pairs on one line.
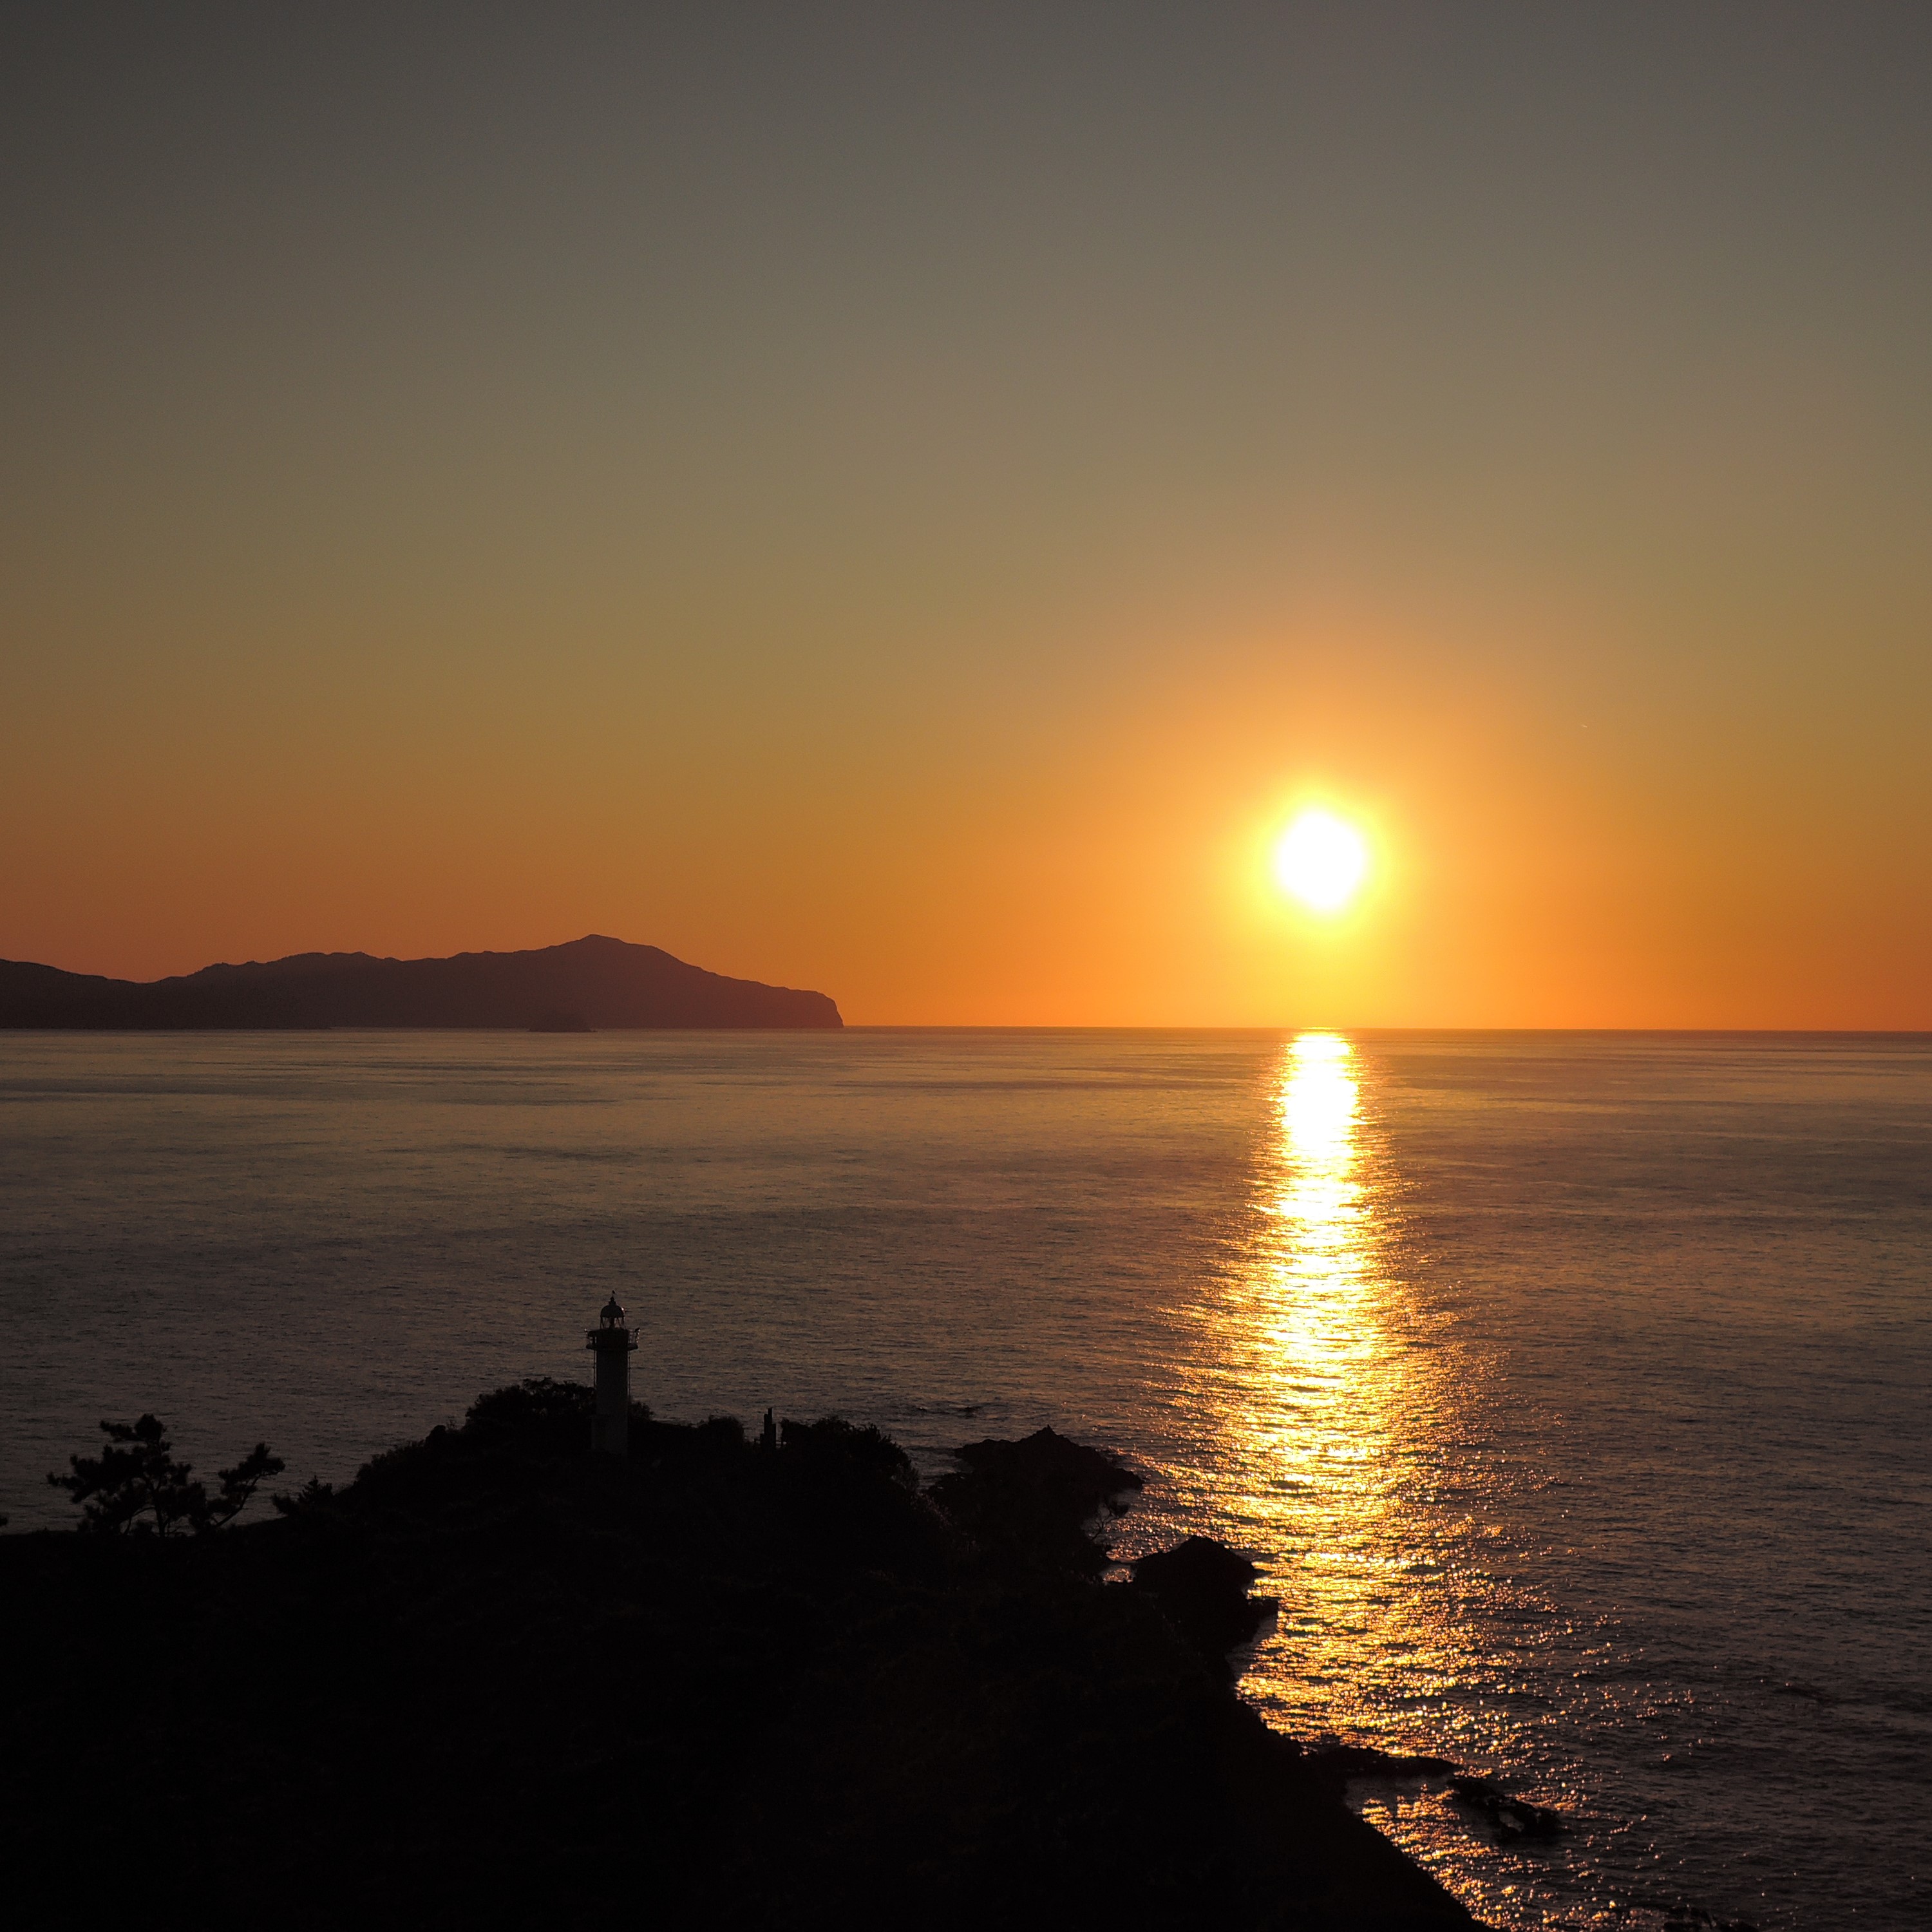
{"points": [[610, 1429]]}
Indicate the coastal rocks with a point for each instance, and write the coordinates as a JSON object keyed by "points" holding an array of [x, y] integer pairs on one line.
{"points": [[1512, 1819], [1343, 1762], [1202, 1587]]}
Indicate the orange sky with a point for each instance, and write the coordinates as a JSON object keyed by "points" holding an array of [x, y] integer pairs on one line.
{"points": [[910, 513]]}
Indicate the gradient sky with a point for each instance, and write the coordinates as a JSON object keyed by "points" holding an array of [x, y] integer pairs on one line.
{"points": [[905, 500]]}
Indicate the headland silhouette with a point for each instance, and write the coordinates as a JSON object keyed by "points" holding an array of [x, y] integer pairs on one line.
{"points": [[504, 1678]]}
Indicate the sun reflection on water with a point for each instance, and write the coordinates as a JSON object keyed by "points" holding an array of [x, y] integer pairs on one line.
{"points": [[1343, 1427], [1306, 1386], [1299, 1329], [1330, 1395]]}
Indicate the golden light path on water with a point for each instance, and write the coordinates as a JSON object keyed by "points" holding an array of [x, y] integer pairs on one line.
{"points": [[1317, 1390], [1336, 1409]]}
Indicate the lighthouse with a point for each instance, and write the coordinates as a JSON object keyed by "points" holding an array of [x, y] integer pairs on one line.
{"points": [[611, 1428]]}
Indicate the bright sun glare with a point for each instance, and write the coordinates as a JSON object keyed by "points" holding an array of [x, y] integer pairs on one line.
{"points": [[1321, 861]]}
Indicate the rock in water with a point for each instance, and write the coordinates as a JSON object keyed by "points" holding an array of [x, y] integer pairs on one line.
{"points": [[1202, 1587]]}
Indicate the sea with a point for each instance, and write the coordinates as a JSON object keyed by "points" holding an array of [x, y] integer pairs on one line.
{"points": [[1572, 1391]]}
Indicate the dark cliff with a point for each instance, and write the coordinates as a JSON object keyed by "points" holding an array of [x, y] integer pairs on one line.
{"points": [[591, 982], [500, 1681]]}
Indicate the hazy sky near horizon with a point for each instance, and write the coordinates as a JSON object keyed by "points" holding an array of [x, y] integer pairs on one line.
{"points": [[904, 500]]}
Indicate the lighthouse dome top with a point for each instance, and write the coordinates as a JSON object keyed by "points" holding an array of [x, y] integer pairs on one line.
{"points": [[612, 1313]]}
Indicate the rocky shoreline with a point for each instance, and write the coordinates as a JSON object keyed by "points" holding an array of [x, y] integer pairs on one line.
{"points": [[497, 1679]]}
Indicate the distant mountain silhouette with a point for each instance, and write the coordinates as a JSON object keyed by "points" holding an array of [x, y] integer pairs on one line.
{"points": [[589, 983]]}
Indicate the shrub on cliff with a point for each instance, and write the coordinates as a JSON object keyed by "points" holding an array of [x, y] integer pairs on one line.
{"points": [[135, 1486]]}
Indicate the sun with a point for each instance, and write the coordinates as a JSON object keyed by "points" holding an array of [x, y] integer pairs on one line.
{"points": [[1321, 860]]}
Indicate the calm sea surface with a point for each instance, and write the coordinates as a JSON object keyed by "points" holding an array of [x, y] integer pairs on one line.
{"points": [[1576, 1391]]}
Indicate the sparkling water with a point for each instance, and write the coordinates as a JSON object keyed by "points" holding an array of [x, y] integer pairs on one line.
{"points": [[1572, 1390]]}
